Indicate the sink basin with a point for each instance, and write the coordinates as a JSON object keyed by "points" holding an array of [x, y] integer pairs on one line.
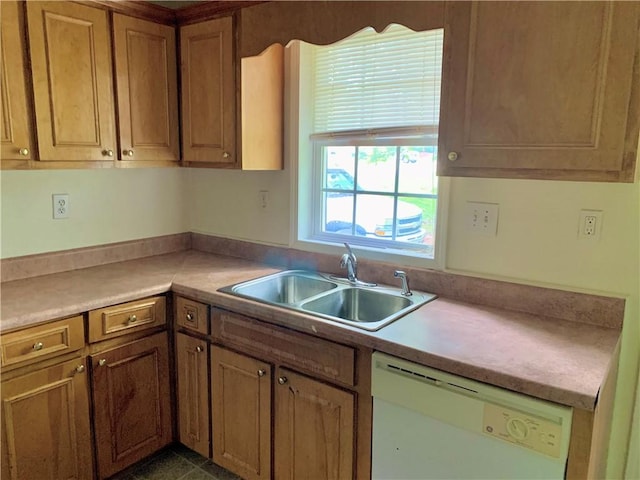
{"points": [[287, 287], [358, 305], [330, 298]]}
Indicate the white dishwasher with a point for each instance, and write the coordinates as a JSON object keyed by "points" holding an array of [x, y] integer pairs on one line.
{"points": [[429, 424]]}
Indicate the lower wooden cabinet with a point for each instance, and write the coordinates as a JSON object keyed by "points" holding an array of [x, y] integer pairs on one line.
{"points": [[132, 402], [45, 424], [193, 393], [314, 429], [313, 422]]}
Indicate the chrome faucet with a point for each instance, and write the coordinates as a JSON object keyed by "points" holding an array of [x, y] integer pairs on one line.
{"points": [[350, 262], [406, 290]]}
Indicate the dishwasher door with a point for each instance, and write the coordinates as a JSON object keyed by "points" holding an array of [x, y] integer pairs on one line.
{"points": [[431, 425]]}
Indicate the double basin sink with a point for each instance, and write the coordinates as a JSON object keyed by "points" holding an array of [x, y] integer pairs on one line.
{"points": [[331, 298]]}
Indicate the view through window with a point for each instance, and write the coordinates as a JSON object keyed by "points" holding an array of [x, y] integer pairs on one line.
{"points": [[376, 100]]}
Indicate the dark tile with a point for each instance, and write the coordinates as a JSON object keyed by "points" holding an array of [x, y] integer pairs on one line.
{"points": [[188, 454], [218, 472], [198, 474], [166, 466]]}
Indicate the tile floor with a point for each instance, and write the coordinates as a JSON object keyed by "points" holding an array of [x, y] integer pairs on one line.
{"points": [[173, 463]]}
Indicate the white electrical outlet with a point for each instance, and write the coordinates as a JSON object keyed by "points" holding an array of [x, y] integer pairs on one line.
{"points": [[482, 218], [590, 224], [60, 204]]}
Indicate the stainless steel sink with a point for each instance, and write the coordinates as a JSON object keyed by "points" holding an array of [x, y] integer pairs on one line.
{"points": [[288, 287], [358, 305], [330, 298]]}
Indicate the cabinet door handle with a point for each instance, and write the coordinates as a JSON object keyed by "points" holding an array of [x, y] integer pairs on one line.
{"points": [[261, 373], [452, 156], [102, 362], [189, 317], [199, 349], [282, 380], [107, 153], [132, 319], [38, 346], [127, 153], [226, 155], [80, 368], [24, 152]]}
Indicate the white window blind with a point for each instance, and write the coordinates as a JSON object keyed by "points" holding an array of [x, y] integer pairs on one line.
{"points": [[376, 80]]}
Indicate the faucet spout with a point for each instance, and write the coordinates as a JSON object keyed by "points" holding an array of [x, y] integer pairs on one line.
{"points": [[350, 262]]}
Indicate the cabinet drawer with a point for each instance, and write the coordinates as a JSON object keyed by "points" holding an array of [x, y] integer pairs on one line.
{"points": [[126, 318], [305, 353], [42, 341], [192, 315]]}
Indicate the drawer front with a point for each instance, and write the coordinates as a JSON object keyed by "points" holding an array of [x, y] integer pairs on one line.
{"points": [[305, 353], [192, 315], [126, 318], [42, 341]]}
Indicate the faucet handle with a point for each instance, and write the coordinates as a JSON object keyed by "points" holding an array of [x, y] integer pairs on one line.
{"points": [[348, 247], [406, 290]]}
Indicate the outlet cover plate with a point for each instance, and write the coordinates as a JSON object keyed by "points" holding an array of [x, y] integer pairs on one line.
{"points": [[482, 218], [60, 205], [590, 224]]}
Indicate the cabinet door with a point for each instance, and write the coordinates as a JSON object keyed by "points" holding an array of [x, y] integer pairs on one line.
{"points": [[45, 424], [71, 61], [208, 93], [241, 410], [146, 80], [193, 393], [546, 95], [17, 137], [131, 398], [314, 429]]}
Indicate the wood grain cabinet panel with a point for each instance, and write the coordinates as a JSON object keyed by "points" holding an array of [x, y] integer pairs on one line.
{"points": [[37, 343], [70, 48], [132, 402], [313, 429], [146, 79], [546, 95], [192, 315], [193, 393], [16, 126], [125, 318], [208, 93], [241, 409], [45, 424]]}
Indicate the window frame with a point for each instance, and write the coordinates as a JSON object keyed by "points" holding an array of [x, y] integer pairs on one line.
{"points": [[299, 151]]}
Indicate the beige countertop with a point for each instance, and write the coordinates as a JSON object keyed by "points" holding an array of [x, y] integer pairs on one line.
{"points": [[557, 360]]}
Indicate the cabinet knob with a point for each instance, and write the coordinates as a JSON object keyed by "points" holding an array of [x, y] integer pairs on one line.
{"points": [[199, 349], [132, 319], [261, 373], [282, 380], [80, 368], [226, 155], [38, 346], [102, 362], [107, 153], [189, 317], [452, 156], [127, 153], [24, 152]]}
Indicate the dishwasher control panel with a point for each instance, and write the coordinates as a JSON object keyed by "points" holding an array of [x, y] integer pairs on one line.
{"points": [[523, 429]]}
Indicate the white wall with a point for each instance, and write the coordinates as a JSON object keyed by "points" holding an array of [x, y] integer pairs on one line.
{"points": [[106, 206]]}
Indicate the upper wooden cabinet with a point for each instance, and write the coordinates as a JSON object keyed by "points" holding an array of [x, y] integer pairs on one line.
{"points": [[215, 132], [16, 128], [208, 93], [70, 50], [146, 80], [540, 90]]}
